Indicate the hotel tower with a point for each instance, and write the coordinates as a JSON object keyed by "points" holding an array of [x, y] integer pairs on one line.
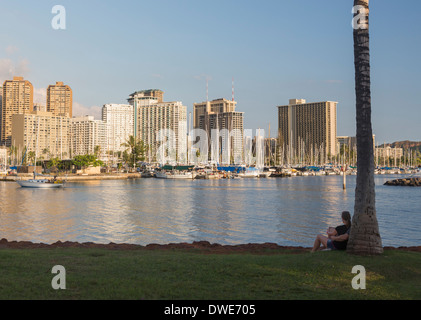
{"points": [[224, 128], [162, 126], [307, 131], [17, 98], [60, 100]]}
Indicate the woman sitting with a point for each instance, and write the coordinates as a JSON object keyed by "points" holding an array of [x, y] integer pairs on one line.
{"points": [[337, 238]]}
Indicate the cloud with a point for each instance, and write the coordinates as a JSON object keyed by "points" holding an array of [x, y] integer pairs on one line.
{"points": [[40, 96], [11, 50], [79, 110], [10, 69]]}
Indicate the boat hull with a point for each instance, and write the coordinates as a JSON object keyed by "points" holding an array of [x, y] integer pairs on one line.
{"points": [[41, 184], [162, 175]]}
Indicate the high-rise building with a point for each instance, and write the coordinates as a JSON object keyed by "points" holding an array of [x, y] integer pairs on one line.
{"points": [[120, 123], [18, 98], [163, 129], [307, 131], [224, 127], [88, 136], [145, 94], [60, 100], [40, 107], [43, 133], [162, 126]]}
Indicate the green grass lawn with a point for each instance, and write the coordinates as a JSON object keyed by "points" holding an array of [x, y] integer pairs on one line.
{"points": [[194, 275]]}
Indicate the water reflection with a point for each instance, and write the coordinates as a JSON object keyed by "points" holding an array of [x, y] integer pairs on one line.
{"points": [[288, 211]]}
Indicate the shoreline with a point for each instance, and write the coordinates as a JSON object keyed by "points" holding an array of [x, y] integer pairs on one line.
{"points": [[263, 248], [72, 177], [76, 177]]}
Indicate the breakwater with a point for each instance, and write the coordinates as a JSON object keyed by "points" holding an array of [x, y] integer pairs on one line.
{"points": [[405, 182]]}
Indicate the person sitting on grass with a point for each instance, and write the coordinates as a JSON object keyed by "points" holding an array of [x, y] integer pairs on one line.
{"points": [[337, 238]]}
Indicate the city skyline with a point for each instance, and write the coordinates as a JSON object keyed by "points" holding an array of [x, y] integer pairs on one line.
{"points": [[273, 54]]}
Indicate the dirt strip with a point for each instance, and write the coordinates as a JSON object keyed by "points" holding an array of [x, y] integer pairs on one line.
{"points": [[205, 246]]}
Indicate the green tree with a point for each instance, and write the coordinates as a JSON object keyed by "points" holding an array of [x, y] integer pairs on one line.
{"points": [[84, 161], [54, 164], [31, 156], [365, 236], [136, 149], [97, 151]]}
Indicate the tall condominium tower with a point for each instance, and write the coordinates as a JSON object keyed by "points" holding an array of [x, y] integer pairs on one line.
{"points": [[224, 128], [120, 123], [307, 131], [162, 126], [18, 98], [146, 94], [60, 100]]}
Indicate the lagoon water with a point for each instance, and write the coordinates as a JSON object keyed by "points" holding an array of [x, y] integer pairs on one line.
{"points": [[286, 211]]}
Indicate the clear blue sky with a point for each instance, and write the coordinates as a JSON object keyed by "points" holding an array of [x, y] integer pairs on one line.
{"points": [[275, 50]]}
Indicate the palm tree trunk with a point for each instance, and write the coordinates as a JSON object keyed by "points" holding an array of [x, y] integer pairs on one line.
{"points": [[365, 236]]}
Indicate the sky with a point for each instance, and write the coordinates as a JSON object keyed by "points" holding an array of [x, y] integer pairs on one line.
{"points": [[275, 50]]}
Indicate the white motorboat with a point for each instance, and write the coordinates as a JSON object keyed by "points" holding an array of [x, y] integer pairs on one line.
{"points": [[174, 175], [181, 175], [40, 183], [250, 172]]}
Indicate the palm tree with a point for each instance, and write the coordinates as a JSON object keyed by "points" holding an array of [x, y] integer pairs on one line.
{"points": [[31, 157], [97, 151], [365, 236], [137, 149], [47, 152]]}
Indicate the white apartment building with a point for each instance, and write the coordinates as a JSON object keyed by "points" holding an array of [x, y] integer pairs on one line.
{"points": [[162, 126], [120, 123], [86, 134], [163, 123]]}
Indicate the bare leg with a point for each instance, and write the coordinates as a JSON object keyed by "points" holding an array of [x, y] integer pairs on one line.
{"points": [[321, 240]]}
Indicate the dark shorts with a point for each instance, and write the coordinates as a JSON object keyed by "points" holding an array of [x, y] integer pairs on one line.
{"points": [[330, 244]]}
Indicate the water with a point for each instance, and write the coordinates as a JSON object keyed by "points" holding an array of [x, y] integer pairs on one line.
{"points": [[286, 211]]}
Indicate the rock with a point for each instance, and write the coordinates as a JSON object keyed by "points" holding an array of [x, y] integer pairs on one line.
{"points": [[409, 182]]}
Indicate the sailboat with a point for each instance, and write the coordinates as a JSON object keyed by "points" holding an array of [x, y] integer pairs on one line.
{"points": [[41, 183]]}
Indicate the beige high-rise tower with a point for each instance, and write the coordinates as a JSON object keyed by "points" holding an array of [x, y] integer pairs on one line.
{"points": [[216, 117], [60, 100], [18, 98], [145, 95], [307, 131], [154, 119]]}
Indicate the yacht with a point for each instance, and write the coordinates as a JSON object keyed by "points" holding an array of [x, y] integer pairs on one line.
{"points": [[41, 183], [174, 175]]}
